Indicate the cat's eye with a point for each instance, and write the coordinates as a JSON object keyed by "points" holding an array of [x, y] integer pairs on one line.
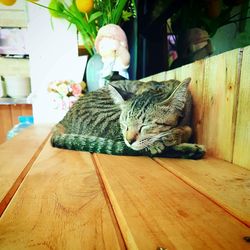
{"points": [[140, 129], [160, 123]]}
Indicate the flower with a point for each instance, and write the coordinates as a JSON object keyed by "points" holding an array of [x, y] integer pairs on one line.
{"points": [[76, 89], [8, 2], [85, 6], [90, 15], [65, 93]]}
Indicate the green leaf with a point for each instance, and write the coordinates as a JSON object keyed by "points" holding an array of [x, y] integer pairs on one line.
{"points": [[126, 15], [55, 8], [117, 12], [94, 16]]}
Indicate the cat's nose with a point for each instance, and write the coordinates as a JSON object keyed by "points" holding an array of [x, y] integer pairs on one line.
{"points": [[131, 137]]}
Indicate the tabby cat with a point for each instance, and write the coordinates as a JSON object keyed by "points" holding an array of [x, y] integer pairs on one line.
{"points": [[131, 118]]}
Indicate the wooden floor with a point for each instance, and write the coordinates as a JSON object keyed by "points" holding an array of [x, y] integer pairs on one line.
{"points": [[58, 199]]}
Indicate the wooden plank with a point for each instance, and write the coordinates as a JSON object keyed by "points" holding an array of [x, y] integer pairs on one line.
{"points": [[146, 79], [16, 157], [159, 77], [226, 184], [20, 110], [171, 74], [154, 208], [5, 122], [196, 88], [60, 205], [220, 99], [241, 154]]}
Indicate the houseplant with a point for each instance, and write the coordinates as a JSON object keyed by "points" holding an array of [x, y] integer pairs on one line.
{"points": [[89, 15]]}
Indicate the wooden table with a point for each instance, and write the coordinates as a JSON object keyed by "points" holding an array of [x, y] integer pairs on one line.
{"points": [[60, 199]]}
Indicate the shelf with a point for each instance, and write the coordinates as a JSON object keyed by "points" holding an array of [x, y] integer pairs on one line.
{"points": [[8, 101], [14, 67]]}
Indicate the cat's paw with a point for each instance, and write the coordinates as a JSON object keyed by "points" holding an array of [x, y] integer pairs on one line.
{"points": [[156, 148], [189, 150]]}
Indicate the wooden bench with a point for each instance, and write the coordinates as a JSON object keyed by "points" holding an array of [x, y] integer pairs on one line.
{"points": [[59, 199]]}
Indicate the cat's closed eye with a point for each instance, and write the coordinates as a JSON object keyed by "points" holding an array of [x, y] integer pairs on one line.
{"points": [[161, 124], [140, 129]]}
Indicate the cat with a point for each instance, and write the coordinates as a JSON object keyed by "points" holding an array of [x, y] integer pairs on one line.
{"points": [[131, 118]]}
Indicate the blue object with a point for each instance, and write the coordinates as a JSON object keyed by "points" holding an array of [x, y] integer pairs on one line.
{"points": [[24, 122]]}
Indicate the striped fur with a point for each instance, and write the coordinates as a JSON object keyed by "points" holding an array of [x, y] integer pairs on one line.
{"points": [[130, 118]]}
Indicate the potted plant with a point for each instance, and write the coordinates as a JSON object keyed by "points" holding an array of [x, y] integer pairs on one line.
{"points": [[90, 15]]}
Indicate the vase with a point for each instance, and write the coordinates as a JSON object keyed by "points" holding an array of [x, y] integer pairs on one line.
{"points": [[94, 72]]}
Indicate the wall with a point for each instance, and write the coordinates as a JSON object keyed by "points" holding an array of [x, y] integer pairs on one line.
{"points": [[53, 56]]}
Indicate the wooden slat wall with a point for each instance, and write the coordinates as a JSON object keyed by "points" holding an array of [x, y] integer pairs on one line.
{"points": [[221, 95], [241, 154]]}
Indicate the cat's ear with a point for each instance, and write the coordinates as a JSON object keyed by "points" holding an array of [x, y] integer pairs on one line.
{"points": [[119, 95], [177, 100]]}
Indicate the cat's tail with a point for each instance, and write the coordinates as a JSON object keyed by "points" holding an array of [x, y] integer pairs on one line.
{"points": [[91, 144], [94, 144]]}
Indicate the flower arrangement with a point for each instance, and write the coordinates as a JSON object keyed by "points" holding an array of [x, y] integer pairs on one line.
{"points": [[90, 15], [65, 93]]}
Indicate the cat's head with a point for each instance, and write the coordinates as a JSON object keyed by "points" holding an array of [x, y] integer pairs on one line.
{"points": [[150, 115]]}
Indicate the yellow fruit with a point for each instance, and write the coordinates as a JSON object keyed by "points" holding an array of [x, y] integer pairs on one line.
{"points": [[84, 5], [8, 2]]}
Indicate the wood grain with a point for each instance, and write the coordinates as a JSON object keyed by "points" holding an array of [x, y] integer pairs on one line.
{"points": [[220, 99], [196, 72], [226, 184], [20, 110], [159, 77], [16, 157], [170, 74], [241, 154], [60, 205], [155, 208], [5, 122]]}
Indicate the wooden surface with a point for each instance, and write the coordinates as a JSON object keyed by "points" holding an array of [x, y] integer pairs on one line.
{"points": [[5, 122], [242, 137], [60, 206], [17, 156], [214, 178], [74, 200], [9, 117], [221, 98]]}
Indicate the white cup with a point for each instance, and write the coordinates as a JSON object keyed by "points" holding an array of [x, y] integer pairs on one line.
{"points": [[17, 86], [1, 88]]}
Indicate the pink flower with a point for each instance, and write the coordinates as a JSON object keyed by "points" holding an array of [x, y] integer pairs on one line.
{"points": [[76, 89]]}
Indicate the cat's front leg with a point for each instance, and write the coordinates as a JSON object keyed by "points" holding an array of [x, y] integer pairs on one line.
{"points": [[157, 147], [189, 150], [174, 137]]}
